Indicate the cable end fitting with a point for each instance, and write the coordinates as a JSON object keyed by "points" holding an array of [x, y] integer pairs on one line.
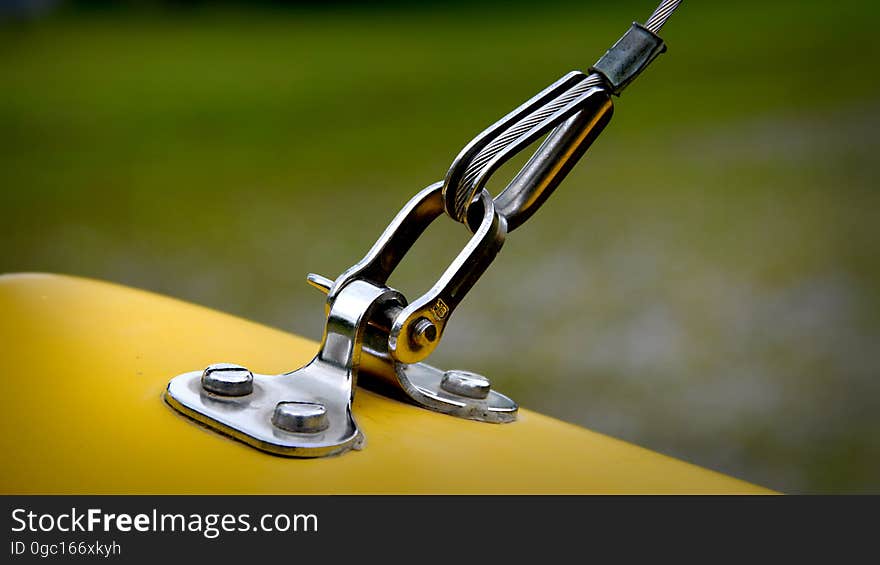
{"points": [[631, 55]]}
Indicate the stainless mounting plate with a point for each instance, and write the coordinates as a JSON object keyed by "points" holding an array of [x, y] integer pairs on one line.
{"points": [[423, 384], [304, 413], [249, 418]]}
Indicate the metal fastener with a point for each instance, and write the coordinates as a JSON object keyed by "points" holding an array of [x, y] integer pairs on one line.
{"points": [[424, 332], [300, 417], [465, 383], [321, 283], [227, 379]]}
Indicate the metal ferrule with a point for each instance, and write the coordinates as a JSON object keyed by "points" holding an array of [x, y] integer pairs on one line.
{"points": [[627, 58]]}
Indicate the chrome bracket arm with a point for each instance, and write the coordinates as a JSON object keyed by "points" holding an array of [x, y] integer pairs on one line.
{"points": [[402, 337], [417, 329]]}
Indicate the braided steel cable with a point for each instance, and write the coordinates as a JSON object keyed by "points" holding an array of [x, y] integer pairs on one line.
{"points": [[475, 167], [661, 14], [463, 192]]}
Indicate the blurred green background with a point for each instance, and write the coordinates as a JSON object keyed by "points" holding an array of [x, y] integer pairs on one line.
{"points": [[705, 283]]}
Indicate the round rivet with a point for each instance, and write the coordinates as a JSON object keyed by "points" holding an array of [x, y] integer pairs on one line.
{"points": [[300, 417], [465, 383], [226, 379]]}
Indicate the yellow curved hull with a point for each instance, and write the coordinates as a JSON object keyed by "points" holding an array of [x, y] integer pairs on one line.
{"points": [[85, 364]]}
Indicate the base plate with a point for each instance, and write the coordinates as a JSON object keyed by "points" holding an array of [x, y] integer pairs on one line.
{"points": [[249, 418]]}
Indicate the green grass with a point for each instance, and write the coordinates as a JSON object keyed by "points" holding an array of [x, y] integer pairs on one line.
{"points": [[704, 284]]}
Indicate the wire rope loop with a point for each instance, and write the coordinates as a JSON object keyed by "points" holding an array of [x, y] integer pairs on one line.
{"points": [[571, 112]]}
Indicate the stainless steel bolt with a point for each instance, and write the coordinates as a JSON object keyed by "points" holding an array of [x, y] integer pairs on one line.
{"points": [[227, 379], [424, 332], [465, 383], [300, 417]]}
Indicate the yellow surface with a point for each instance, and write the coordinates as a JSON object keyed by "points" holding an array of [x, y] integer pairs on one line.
{"points": [[85, 364]]}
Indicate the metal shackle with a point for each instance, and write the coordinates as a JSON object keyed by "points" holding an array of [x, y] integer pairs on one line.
{"points": [[416, 329]]}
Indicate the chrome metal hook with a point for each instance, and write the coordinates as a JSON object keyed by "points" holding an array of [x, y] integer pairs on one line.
{"points": [[574, 110]]}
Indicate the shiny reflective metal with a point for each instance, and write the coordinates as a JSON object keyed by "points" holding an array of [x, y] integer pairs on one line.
{"points": [[408, 340], [227, 379], [301, 417], [370, 330], [261, 418], [466, 383], [423, 384], [573, 111], [424, 333], [399, 338]]}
